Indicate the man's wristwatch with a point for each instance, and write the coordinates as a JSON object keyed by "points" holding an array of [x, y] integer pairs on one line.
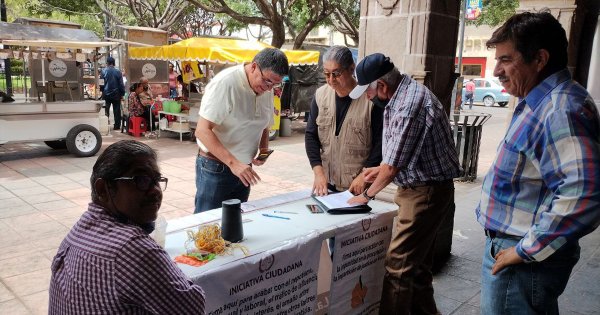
{"points": [[367, 196]]}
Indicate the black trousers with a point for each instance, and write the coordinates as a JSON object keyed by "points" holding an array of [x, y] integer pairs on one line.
{"points": [[116, 111]]}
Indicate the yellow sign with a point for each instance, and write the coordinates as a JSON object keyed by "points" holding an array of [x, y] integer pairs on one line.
{"points": [[191, 71]]}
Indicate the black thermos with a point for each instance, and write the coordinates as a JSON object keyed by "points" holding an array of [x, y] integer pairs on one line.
{"points": [[231, 221]]}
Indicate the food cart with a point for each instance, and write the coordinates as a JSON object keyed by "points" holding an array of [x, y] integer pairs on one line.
{"points": [[52, 108], [218, 51]]}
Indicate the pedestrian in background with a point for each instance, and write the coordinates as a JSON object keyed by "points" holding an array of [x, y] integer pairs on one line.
{"points": [[235, 118], [470, 92], [541, 194], [420, 157], [343, 135], [172, 81], [113, 91]]}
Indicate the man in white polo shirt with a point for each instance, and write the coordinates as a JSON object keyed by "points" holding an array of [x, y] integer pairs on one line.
{"points": [[233, 127]]}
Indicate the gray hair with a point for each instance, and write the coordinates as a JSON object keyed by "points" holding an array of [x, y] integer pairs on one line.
{"points": [[116, 160], [272, 59], [392, 78], [340, 55]]}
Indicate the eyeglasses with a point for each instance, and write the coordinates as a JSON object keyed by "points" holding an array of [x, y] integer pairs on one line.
{"points": [[145, 182], [334, 75], [268, 82]]}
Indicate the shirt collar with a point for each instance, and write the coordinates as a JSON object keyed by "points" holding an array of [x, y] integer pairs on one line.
{"points": [[405, 82], [245, 81], [99, 210], [537, 94]]}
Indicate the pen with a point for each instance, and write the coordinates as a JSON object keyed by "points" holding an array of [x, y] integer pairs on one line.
{"points": [[274, 216], [290, 212]]}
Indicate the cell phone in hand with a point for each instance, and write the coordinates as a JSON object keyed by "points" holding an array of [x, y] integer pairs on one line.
{"points": [[314, 208], [263, 156]]}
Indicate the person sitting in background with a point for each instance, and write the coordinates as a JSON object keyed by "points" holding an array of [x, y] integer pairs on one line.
{"points": [[108, 263], [136, 106], [146, 92]]}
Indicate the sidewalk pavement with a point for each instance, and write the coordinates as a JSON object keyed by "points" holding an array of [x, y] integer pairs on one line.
{"points": [[43, 192]]}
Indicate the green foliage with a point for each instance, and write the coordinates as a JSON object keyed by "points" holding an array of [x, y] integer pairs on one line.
{"points": [[300, 15], [16, 66], [231, 25], [51, 10], [495, 12]]}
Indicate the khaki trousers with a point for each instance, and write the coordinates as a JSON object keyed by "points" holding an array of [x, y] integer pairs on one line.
{"points": [[407, 287]]}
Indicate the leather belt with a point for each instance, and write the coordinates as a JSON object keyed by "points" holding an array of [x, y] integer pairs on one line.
{"points": [[208, 155], [496, 234], [427, 183]]}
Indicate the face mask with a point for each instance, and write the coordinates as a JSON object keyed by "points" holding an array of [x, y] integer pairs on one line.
{"points": [[379, 103]]}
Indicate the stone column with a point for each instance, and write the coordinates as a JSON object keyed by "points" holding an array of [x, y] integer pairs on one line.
{"points": [[419, 35]]}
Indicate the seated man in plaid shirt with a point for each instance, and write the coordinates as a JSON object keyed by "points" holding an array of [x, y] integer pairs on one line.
{"points": [[108, 263]]}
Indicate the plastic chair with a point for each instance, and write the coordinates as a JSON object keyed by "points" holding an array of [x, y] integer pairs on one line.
{"points": [[137, 126]]}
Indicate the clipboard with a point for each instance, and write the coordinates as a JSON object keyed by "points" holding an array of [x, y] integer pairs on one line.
{"points": [[336, 204]]}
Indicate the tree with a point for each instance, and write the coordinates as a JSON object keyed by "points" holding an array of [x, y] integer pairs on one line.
{"points": [[273, 14], [84, 12], [495, 12], [197, 22], [346, 19], [150, 13]]}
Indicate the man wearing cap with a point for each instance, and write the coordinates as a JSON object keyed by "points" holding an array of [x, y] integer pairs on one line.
{"points": [[420, 157], [113, 91]]}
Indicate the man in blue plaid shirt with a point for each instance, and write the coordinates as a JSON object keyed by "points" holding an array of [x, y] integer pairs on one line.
{"points": [[420, 157], [541, 194]]}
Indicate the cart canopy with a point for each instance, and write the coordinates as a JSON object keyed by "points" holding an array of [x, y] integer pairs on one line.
{"points": [[217, 50], [15, 34]]}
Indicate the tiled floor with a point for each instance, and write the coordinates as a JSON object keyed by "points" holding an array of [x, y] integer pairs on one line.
{"points": [[43, 193]]}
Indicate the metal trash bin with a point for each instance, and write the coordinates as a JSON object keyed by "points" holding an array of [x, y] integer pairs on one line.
{"points": [[467, 127]]}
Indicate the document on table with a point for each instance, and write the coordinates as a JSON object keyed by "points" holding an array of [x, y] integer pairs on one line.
{"points": [[334, 201]]}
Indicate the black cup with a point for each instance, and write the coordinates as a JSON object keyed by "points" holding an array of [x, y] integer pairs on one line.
{"points": [[231, 221]]}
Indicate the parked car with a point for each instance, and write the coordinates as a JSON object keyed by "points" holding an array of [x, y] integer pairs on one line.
{"points": [[488, 91]]}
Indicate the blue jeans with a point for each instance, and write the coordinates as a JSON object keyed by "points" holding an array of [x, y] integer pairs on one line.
{"points": [[527, 288], [172, 92], [216, 183], [469, 97]]}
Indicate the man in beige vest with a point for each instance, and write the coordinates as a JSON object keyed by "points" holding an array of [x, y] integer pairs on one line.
{"points": [[343, 135]]}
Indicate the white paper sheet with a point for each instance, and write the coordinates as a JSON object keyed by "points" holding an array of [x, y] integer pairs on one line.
{"points": [[339, 200]]}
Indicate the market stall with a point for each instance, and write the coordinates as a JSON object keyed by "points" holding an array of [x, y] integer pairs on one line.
{"points": [[216, 52], [52, 108]]}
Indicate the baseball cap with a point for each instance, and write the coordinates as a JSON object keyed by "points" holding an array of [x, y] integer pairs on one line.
{"points": [[371, 68]]}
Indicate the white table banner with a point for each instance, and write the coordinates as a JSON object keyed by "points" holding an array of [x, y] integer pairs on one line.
{"points": [[279, 281], [358, 266]]}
